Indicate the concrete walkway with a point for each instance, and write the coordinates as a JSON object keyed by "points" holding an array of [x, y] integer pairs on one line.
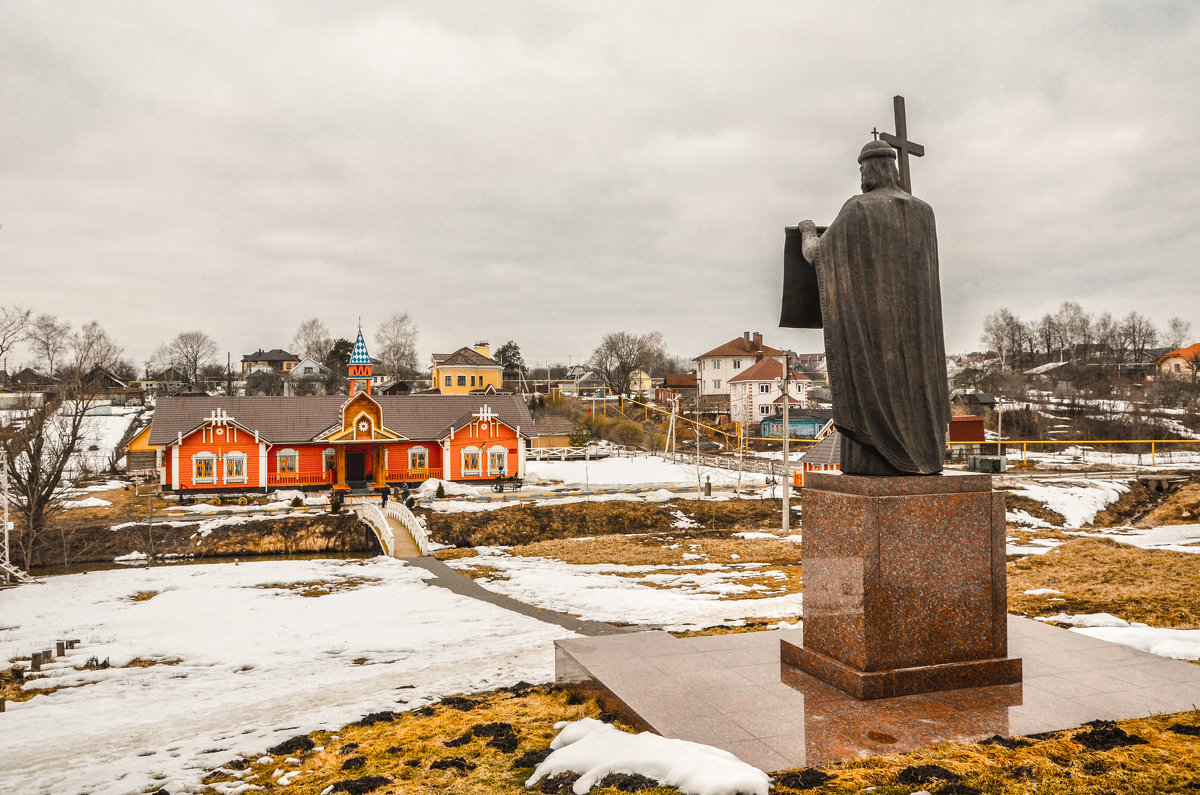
{"points": [[451, 580]]}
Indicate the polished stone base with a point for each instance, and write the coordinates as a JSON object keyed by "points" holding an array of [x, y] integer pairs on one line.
{"points": [[732, 692], [900, 681], [904, 584]]}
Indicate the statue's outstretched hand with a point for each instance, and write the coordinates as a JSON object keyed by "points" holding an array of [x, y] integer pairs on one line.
{"points": [[810, 241]]}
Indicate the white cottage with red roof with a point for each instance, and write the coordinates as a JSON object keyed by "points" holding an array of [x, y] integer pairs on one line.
{"points": [[754, 394], [715, 368], [334, 441]]}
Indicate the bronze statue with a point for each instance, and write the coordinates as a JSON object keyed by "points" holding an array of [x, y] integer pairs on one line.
{"points": [[881, 309]]}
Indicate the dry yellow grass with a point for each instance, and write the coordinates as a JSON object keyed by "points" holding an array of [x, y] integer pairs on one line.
{"points": [[143, 596], [315, 588], [1054, 765], [1017, 502], [1180, 507], [1099, 575], [662, 549], [404, 750]]}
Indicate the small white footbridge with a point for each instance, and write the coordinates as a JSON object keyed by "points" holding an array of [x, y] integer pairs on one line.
{"points": [[401, 533]]}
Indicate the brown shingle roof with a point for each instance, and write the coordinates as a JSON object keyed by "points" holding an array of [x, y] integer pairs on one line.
{"points": [[740, 346], [465, 357], [555, 425], [680, 381], [273, 355], [825, 452], [766, 370], [301, 419]]}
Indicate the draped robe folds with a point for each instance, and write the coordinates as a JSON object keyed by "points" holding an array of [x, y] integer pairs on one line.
{"points": [[882, 309]]}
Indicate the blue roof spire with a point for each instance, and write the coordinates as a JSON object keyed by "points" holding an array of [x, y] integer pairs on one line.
{"points": [[359, 354]]}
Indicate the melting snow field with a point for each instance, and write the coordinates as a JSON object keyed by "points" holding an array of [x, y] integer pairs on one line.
{"points": [[1077, 500], [257, 665], [689, 597]]}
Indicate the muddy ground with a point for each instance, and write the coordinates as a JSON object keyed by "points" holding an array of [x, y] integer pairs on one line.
{"points": [[525, 524]]}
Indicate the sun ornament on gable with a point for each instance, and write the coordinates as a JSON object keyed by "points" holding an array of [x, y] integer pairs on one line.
{"points": [[362, 420]]}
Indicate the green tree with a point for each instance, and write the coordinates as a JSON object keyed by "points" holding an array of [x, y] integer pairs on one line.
{"points": [[509, 355]]}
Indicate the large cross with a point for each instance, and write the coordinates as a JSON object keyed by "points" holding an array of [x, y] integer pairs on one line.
{"points": [[900, 141]]}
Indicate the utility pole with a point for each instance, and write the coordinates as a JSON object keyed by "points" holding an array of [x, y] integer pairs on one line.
{"points": [[787, 433], [4, 485]]}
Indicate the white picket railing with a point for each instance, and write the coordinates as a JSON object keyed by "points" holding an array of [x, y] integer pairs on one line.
{"points": [[373, 516], [413, 523]]}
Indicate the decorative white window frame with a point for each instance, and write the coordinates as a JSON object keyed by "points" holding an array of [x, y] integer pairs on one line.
{"points": [[328, 459], [493, 450], [765, 409], [230, 458], [211, 458], [449, 380], [716, 365], [287, 452], [423, 452], [477, 469], [462, 380], [764, 389]]}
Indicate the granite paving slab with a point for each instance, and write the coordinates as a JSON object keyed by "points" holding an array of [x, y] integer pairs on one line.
{"points": [[733, 692]]}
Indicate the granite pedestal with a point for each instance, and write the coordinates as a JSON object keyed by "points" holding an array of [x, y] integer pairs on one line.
{"points": [[904, 585]]}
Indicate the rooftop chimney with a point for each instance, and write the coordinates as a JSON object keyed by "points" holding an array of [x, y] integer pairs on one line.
{"points": [[758, 340], [483, 349]]}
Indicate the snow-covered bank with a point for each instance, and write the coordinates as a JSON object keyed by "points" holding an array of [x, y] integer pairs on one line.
{"points": [[673, 597], [256, 664]]}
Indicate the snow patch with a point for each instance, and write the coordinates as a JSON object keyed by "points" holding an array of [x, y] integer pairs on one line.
{"points": [[594, 749]]}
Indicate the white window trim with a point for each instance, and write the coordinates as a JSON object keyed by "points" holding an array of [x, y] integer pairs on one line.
{"points": [[287, 452], [235, 456], [418, 449], [328, 459], [463, 461], [204, 456], [498, 448]]}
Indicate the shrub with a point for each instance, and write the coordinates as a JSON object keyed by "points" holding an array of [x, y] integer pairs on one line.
{"points": [[297, 502], [441, 490]]}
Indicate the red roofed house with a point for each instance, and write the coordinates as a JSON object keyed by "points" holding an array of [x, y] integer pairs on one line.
{"points": [[235, 443], [754, 395], [1180, 363], [718, 366]]}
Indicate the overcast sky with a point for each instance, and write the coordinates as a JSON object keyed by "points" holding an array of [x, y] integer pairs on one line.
{"points": [[550, 171]]}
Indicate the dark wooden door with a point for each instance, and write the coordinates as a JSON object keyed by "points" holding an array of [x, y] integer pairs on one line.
{"points": [[356, 467]]}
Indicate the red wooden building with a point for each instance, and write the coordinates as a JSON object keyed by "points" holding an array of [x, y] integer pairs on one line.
{"points": [[227, 444]]}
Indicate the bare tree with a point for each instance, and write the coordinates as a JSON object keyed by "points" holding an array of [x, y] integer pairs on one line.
{"points": [[620, 353], [91, 347], [1074, 327], [191, 352], [13, 322], [1004, 333], [49, 338], [396, 343], [1138, 335], [42, 440], [1107, 336], [1177, 334], [1047, 335], [312, 340]]}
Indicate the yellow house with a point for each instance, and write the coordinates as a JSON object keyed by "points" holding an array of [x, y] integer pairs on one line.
{"points": [[141, 456], [640, 383], [466, 370]]}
